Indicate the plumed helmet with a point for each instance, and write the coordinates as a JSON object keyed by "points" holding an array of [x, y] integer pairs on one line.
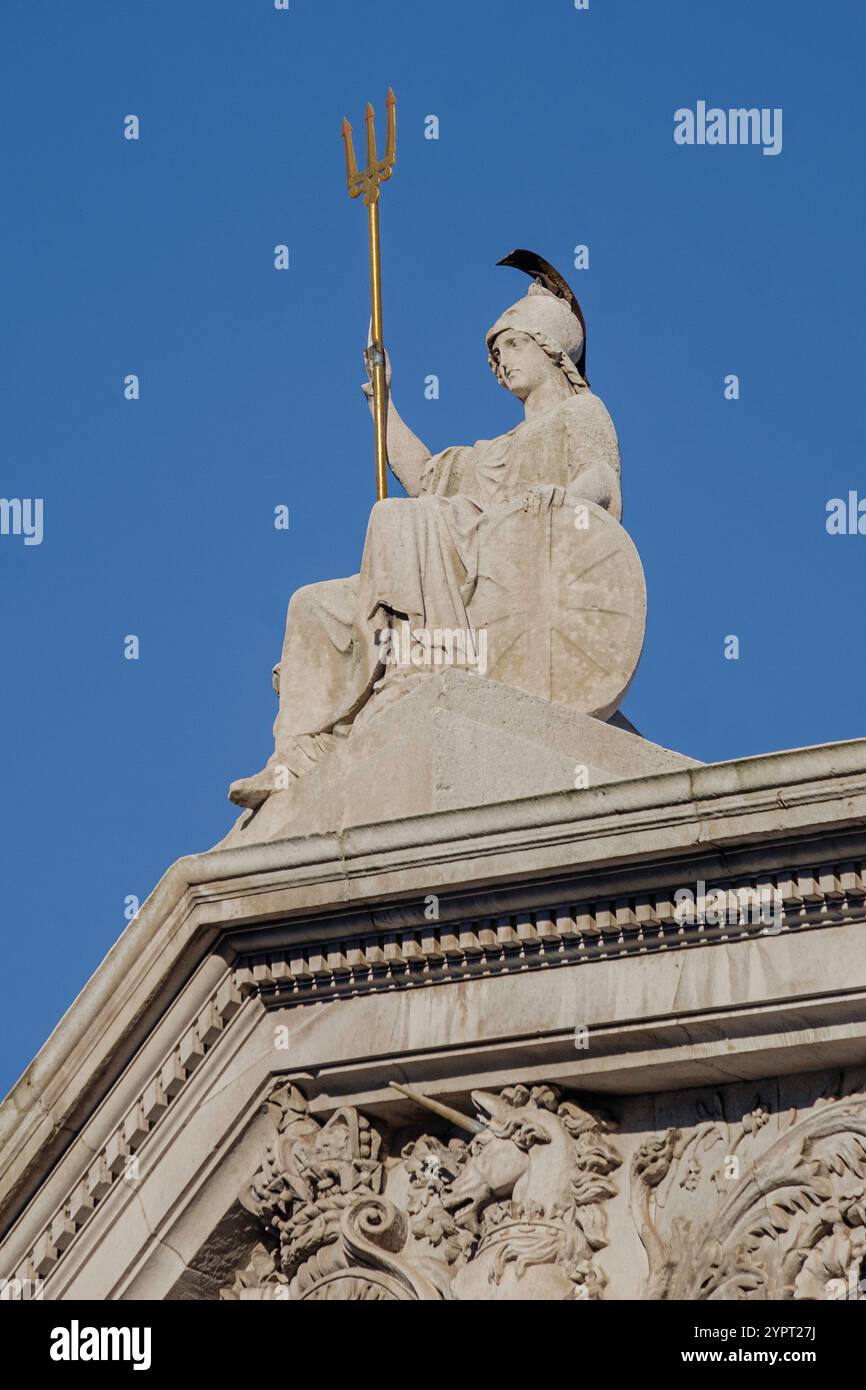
{"points": [[550, 314]]}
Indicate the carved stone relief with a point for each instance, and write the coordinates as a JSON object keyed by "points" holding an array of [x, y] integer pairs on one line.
{"points": [[754, 1210], [516, 1211], [755, 1193]]}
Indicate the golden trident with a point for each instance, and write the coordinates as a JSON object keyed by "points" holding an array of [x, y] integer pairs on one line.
{"points": [[367, 182]]}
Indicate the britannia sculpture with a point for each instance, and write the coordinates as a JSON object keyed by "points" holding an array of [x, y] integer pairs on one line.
{"points": [[506, 557]]}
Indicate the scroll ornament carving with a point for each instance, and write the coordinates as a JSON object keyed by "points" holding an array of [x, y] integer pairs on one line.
{"points": [[788, 1223], [516, 1212]]}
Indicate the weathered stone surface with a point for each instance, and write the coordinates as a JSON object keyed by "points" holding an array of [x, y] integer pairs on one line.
{"points": [[454, 740], [526, 944]]}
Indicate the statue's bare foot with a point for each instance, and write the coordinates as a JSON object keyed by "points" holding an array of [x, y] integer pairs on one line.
{"points": [[252, 792], [295, 758]]}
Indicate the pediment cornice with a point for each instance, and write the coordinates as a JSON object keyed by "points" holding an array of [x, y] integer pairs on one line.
{"points": [[565, 879]]}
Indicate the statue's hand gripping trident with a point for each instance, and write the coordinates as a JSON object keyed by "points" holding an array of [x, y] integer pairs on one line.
{"points": [[366, 182]]}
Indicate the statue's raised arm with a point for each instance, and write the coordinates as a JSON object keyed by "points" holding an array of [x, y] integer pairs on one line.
{"points": [[407, 454]]}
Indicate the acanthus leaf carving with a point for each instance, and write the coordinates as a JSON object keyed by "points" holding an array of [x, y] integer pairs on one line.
{"points": [[790, 1225]]}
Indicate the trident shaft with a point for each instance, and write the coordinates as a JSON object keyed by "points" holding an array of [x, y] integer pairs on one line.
{"points": [[366, 182]]}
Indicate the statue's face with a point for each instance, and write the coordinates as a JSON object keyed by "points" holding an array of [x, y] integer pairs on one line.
{"points": [[523, 365]]}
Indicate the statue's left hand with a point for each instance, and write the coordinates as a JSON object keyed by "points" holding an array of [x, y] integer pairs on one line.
{"points": [[542, 497]]}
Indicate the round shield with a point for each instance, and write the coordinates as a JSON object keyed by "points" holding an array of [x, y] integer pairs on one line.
{"points": [[562, 597]]}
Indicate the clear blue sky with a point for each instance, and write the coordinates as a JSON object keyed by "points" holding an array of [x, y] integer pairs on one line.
{"points": [[156, 258]]}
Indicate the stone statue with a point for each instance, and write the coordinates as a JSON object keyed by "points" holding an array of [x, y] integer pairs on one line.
{"points": [[506, 558]]}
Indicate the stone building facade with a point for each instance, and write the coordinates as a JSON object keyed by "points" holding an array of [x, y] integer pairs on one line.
{"points": [[477, 1051]]}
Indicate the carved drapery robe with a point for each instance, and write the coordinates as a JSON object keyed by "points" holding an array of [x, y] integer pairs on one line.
{"points": [[421, 563]]}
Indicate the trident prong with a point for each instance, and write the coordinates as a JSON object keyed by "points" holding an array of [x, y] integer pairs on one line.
{"points": [[391, 136], [370, 119], [366, 181], [351, 167]]}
